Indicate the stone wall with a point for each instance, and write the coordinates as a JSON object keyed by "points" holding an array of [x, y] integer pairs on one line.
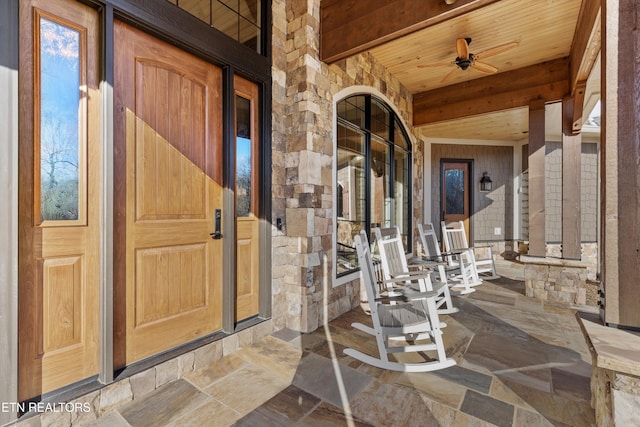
{"points": [[304, 89], [615, 398], [556, 280]]}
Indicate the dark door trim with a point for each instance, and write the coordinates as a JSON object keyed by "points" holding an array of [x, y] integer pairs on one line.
{"points": [[471, 192]]}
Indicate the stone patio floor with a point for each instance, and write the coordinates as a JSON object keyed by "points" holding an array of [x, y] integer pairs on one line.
{"points": [[521, 362]]}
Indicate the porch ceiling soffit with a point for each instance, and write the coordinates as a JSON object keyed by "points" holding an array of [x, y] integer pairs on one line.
{"points": [[512, 89], [351, 27]]}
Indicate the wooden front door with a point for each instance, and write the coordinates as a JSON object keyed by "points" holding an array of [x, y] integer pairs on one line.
{"points": [[456, 193], [247, 147], [168, 196], [60, 196]]}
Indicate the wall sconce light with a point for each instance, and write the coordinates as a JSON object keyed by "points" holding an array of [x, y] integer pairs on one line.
{"points": [[485, 182]]}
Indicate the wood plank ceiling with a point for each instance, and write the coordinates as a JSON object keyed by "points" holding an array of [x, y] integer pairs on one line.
{"points": [[545, 31]]}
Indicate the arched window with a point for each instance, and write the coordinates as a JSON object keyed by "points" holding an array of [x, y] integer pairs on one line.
{"points": [[374, 172]]}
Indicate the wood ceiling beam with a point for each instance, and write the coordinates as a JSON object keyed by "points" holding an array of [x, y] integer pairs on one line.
{"points": [[353, 26], [586, 43], [548, 81]]}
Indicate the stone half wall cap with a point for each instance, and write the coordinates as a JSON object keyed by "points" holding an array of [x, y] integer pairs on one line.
{"points": [[558, 262]]}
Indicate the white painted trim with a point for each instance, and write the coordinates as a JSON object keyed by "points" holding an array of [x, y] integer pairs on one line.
{"points": [[426, 171]]}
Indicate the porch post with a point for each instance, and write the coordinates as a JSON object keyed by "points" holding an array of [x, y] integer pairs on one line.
{"points": [[537, 238], [571, 152], [9, 213], [620, 141]]}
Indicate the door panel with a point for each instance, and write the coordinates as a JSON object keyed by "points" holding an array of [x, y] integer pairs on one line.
{"points": [[60, 196], [168, 144], [247, 209], [456, 194]]}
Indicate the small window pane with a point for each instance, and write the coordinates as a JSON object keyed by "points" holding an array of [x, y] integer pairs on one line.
{"points": [[243, 156], [351, 180], [401, 189], [380, 197], [454, 186], [201, 9], [352, 110], [249, 34], [224, 19], [59, 121], [399, 138], [250, 10], [379, 120]]}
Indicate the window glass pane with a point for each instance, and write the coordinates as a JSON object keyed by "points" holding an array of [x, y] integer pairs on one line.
{"points": [[59, 121], [250, 10], [352, 110], [401, 190], [454, 186], [201, 9], [351, 181], [379, 119], [231, 4], [249, 34], [239, 19], [399, 138], [224, 19], [243, 156], [380, 197]]}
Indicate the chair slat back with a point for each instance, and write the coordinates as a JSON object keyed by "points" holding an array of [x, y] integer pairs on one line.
{"points": [[391, 248], [430, 241], [454, 236]]}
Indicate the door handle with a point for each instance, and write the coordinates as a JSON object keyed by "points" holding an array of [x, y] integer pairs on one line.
{"points": [[216, 235]]}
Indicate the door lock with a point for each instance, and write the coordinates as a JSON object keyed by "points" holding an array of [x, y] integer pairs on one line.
{"points": [[216, 235]]}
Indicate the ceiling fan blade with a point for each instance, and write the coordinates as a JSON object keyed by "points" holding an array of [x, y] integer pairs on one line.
{"points": [[497, 50], [450, 75], [437, 64], [462, 48], [484, 68]]}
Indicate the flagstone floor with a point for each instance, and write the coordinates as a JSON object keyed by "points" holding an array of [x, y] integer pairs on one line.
{"points": [[520, 363]]}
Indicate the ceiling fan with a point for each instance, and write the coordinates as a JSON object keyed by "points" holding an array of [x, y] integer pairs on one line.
{"points": [[466, 60]]}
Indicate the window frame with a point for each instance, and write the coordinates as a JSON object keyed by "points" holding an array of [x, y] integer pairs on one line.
{"points": [[395, 124]]}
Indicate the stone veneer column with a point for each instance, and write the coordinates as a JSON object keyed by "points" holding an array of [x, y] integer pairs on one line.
{"points": [[620, 141], [303, 151]]}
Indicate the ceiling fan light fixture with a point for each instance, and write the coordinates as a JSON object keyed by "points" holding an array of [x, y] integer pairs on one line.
{"points": [[450, 1]]}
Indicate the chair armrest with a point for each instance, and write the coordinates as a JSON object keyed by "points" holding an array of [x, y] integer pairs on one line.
{"points": [[425, 262], [456, 251], [412, 295], [407, 276]]}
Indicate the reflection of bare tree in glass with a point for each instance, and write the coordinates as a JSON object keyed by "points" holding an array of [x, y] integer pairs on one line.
{"points": [[454, 180], [59, 169], [243, 187]]}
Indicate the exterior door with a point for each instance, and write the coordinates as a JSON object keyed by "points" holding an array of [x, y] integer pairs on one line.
{"points": [[247, 147], [168, 196], [456, 193], [60, 193]]}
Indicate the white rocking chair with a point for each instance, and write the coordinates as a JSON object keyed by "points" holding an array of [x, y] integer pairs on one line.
{"points": [[413, 318], [458, 271], [395, 266], [455, 238]]}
